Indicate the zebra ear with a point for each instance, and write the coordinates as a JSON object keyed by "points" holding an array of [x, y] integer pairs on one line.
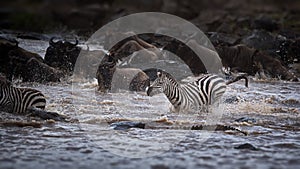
{"points": [[159, 74]]}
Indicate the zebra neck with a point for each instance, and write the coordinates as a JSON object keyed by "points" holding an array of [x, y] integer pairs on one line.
{"points": [[172, 90]]}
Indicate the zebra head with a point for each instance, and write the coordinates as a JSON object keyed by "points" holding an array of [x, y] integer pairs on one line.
{"points": [[157, 86]]}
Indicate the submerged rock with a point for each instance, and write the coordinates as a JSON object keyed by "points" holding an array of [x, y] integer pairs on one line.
{"points": [[125, 125], [265, 22], [247, 146], [246, 119]]}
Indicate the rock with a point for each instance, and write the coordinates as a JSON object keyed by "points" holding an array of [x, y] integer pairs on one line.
{"points": [[152, 73], [231, 100], [261, 39], [131, 79], [139, 82], [295, 68], [20, 124], [32, 36], [245, 119], [222, 39], [62, 55], [226, 28], [289, 34], [159, 166], [294, 51], [182, 9], [87, 63], [247, 146], [265, 22], [125, 125]]}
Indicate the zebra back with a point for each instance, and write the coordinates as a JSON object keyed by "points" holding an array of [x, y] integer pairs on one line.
{"points": [[211, 88], [33, 98]]}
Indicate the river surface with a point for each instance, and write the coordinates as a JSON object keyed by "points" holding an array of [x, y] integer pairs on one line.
{"points": [[272, 108]]}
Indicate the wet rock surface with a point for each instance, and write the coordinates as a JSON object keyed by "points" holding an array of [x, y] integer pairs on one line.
{"points": [[247, 146]]}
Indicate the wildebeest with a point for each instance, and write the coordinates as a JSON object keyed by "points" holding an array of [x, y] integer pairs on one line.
{"points": [[62, 55], [16, 62], [244, 59]]}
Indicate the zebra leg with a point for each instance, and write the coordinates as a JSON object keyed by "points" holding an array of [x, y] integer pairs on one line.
{"points": [[204, 109], [174, 109]]}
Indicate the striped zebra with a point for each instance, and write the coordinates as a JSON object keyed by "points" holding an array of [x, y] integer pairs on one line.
{"points": [[19, 100], [197, 95]]}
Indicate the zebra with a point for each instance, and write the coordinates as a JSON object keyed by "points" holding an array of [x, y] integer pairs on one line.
{"points": [[19, 100], [26, 101], [198, 95]]}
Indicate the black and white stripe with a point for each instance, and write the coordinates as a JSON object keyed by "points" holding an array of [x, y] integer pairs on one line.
{"points": [[206, 90], [19, 100]]}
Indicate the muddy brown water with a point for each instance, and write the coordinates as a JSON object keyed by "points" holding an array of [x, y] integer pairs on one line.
{"points": [[273, 106]]}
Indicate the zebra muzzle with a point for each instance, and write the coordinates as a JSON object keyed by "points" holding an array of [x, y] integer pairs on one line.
{"points": [[149, 90], [153, 90]]}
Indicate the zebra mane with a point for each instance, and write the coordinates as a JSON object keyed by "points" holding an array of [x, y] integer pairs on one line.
{"points": [[168, 75]]}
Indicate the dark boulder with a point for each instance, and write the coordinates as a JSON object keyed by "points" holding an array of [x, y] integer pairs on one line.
{"points": [[87, 63], [111, 78], [289, 34], [139, 82], [260, 39], [125, 125], [294, 51], [222, 39], [266, 23], [247, 146]]}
